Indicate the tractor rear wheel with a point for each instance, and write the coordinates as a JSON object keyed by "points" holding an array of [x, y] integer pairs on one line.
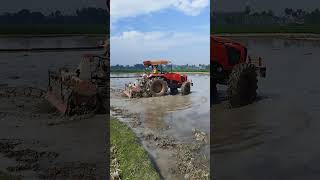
{"points": [[242, 85], [185, 88], [158, 87]]}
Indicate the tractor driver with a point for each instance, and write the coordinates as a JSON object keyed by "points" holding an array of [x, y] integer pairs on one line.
{"points": [[155, 69]]}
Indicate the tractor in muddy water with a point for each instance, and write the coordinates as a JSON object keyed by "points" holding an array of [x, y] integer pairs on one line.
{"points": [[231, 66], [83, 90], [158, 81]]}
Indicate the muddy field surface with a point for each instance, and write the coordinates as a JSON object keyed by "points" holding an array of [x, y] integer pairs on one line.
{"points": [[277, 136], [36, 142], [174, 129]]}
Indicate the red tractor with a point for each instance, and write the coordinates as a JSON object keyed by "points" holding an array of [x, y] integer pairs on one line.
{"points": [[158, 81], [231, 66]]}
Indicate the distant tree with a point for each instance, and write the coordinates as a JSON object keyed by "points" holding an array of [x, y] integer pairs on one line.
{"points": [[288, 12], [270, 13], [23, 16], [37, 17], [247, 10]]}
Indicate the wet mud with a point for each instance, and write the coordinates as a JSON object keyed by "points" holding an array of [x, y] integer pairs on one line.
{"points": [[29, 154]]}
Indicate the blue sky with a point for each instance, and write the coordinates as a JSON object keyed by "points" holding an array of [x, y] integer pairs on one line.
{"points": [[177, 30]]}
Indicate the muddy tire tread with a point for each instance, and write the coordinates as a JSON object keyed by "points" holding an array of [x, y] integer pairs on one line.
{"points": [[238, 94], [185, 88]]}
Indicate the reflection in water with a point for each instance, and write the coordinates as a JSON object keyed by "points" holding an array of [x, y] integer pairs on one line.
{"points": [[234, 131]]}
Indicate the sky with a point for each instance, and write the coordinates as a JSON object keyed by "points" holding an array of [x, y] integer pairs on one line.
{"points": [[175, 30]]}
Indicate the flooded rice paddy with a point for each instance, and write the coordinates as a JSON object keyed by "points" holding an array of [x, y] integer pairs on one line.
{"points": [[175, 119], [35, 140], [277, 136]]}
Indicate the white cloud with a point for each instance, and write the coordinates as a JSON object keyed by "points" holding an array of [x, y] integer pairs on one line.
{"points": [[132, 47], [191, 7], [132, 8]]}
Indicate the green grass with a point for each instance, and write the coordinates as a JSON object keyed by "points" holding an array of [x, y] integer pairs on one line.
{"points": [[5, 176], [315, 29], [38, 29], [133, 159]]}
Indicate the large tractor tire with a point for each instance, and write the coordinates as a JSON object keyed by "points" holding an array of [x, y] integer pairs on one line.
{"points": [[174, 91], [242, 85], [158, 87], [185, 88]]}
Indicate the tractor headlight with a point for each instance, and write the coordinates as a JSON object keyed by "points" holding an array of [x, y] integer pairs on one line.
{"points": [[219, 69]]}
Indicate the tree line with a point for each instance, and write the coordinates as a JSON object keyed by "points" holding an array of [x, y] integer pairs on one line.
{"points": [[88, 15], [140, 67], [251, 17]]}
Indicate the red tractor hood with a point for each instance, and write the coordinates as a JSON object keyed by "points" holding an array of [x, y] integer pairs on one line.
{"points": [[223, 40]]}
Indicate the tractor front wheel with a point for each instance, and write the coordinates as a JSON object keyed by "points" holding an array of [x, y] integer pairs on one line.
{"points": [[242, 85], [185, 88], [158, 87]]}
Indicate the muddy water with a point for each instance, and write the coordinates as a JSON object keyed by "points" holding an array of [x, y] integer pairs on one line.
{"points": [[277, 136], [181, 113], [31, 68], [172, 115], [48, 42], [27, 119]]}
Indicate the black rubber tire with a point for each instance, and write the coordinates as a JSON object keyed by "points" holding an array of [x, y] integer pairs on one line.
{"points": [[186, 88], [243, 85], [158, 87], [174, 91]]}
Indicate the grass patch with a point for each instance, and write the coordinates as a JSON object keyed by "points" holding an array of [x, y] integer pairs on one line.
{"points": [[5, 176], [133, 159], [36, 29]]}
